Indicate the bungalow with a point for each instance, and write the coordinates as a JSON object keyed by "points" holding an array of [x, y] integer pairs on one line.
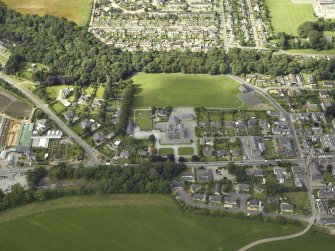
{"points": [[325, 104], [124, 154], [204, 175], [273, 113], [176, 185], [258, 189], [280, 173], [324, 94], [322, 206], [254, 172], [98, 138], [328, 84], [286, 208], [187, 176], [199, 197], [255, 205], [221, 153], [327, 221], [69, 117], [242, 188], [311, 79], [215, 199], [229, 202]]}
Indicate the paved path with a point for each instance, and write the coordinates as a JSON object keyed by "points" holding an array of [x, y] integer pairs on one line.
{"points": [[280, 238], [91, 152]]}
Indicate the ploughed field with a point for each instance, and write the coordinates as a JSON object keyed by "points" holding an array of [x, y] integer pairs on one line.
{"points": [[124, 222], [186, 90], [78, 11]]}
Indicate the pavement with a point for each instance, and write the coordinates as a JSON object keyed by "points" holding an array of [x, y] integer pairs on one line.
{"points": [[90, 151]]}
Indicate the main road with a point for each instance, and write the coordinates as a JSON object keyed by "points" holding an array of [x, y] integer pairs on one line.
{"points": [[92, 154]]}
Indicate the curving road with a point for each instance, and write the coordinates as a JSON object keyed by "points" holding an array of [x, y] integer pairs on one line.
{"points": [[286, 115], [93, 160]]}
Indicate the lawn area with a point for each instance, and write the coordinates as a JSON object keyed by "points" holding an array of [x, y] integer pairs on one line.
{"points": [[89, 90], [58, 107], [3, 59], [309, 242], [166, 151], [142, 118], [287, 16], [300, 200], [185, 151], [78, 11], [100, 92], [185, 90], [123, 222], [53, 91]]}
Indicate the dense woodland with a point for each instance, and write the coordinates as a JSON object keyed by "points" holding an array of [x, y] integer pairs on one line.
{"points": [[150, 178], [74, 55]]}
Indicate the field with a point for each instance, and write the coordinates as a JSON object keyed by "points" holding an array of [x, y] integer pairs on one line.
{"points": [[309, 242], [185, 151], [287, 16], [186, 90], [53, 91], [12, 106], [123, 222], [142, 118], [78, 11], [165, 151]]}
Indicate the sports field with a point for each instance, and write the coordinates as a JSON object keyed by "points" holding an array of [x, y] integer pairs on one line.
{"points": [[309, 242], [186, 90], [124, 222], [287, 16], [78, 11]]}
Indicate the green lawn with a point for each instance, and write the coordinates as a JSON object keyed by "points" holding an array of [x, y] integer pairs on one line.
{"points": [[287, 16], [89, 90], [188, 90], [58, 107], [309, 242], [124, 222], [166, 151], [142, 118], [53, 91], [300, 200], [3, 59], [100, 92], [185, 151], [78, 11]]}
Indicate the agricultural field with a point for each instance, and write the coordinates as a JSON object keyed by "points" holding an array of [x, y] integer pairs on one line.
{"points": [[186, 90], [122, 222], [309, 242], [78, 11], [14, 107], [142, 118], [287, 16]]}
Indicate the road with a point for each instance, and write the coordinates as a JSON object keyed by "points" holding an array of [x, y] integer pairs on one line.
{"points": [[223, 25], [92, 154], [286, 115]]}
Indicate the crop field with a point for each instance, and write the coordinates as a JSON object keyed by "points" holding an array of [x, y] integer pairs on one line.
{"points": [[287, 16], [14, 107], [122, 222], [309, 242], [186, 90], [78, 11]]}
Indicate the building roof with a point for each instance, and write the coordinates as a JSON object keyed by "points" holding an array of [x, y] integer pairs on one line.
{"points": [[286, 207]]}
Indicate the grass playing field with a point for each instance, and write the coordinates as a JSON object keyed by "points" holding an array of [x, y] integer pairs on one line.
{"points": [[78, 11], [310, 242], [287, 16], [186, 90], [185, 151], [165, 151], [124, 222]]}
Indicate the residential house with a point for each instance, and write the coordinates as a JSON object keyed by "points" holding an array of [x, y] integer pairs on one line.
{"points": [[215, 199], [315, 172], [254, 172], [204, 175], [217, 188], [281, 173], [187, 176], [230, 202], [98, 138], [240, 188], [195, 188], [286, 208], [258, 189], [255, 205], [199, 197]]}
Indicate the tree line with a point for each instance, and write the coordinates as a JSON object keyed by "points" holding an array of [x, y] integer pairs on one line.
{"points": [[146, 178]]}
